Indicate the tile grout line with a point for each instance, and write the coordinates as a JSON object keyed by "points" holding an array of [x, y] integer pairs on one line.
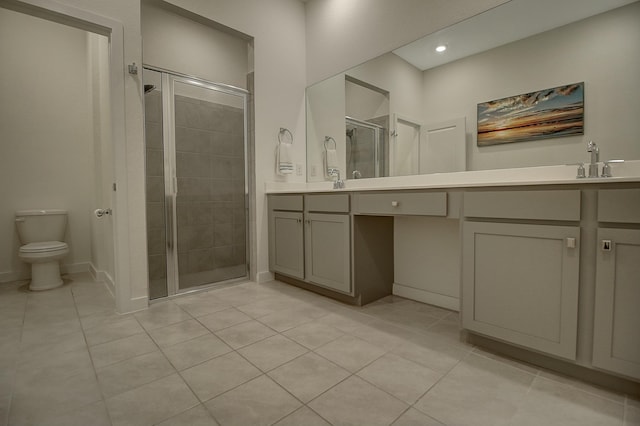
{"points": [[95, 373]]}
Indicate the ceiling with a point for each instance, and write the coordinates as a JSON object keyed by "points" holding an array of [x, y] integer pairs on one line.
{"points": [[498, 26]]}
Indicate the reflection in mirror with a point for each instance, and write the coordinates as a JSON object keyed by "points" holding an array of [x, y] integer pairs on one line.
{"points": [[367, 124], [602, 50]]}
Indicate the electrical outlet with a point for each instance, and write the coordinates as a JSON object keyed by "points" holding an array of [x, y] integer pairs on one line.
{"points": [[299, 169], [314, 170]]}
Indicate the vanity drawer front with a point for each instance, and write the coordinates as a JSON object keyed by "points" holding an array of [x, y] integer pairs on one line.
{"points": [[398, 203], [285, 202], [535, 205], [337, 203], [619, 205]]}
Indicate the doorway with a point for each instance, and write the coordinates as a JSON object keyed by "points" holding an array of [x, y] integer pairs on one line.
{"points": [[197, 185], [56, 127]]}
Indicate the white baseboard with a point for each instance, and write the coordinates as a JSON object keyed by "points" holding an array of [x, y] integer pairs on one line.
{"points": [[93, 271], [71, 268], [9, 276], [263, 277], [133, 305], [74, 268], [103, 276], [108, 281], [425, 296]]}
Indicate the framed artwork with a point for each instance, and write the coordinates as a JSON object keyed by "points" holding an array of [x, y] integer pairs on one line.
{"points": [[549, 113]]}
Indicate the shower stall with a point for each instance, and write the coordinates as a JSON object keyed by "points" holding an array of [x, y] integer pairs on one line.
{"points": [[196, 177], [365, 150]]}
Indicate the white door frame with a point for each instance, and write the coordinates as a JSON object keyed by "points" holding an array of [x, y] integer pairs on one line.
{"points": [[82, 19]]}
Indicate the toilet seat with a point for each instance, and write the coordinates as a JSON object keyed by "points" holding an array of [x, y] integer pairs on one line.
{"points": [[43, 247]]}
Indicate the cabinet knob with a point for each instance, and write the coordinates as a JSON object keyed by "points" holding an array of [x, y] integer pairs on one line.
{"points": [[395, 204]]}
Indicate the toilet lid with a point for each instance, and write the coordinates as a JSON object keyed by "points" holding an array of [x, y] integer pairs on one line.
{"points": [[43, 246]]}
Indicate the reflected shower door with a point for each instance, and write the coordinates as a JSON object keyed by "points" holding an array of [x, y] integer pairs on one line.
{"points": [[364, 149], [211, 195]]}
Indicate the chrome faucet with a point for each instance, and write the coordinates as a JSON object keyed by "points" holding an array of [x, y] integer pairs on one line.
{"points": [[606, 168], [595, 157], [338, 183]]}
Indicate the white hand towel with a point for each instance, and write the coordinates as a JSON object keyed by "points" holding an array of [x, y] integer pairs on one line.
{"points": [[330, 161], [284, 163]]}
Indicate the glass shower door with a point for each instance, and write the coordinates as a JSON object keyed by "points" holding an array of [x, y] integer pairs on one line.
{"points": [[210, 185], [197, 213], [155, 185]]}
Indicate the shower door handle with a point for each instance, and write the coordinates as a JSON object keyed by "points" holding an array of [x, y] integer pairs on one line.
{"points": [[168, 224]]}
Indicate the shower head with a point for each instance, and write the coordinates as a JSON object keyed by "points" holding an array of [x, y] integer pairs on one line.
{"points": [[148, 88]]}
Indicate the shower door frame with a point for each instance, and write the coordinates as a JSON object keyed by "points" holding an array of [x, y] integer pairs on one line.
{"points": [[171, 179], [377, 130]]}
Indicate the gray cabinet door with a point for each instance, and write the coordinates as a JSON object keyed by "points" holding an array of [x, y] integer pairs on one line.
{"points": [[520, 284], [328, 255], [286, 240], [616, 340]]}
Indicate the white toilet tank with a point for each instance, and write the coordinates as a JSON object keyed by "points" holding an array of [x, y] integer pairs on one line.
{"points": [[41, 225]]}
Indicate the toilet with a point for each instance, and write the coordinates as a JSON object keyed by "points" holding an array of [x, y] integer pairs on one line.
{"points": [[41, 233]]}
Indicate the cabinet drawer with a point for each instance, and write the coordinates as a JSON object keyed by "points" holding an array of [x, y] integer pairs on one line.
{"points": [[536, 205], [619, 205], [398, 203], [338, 203], [285, 202]]}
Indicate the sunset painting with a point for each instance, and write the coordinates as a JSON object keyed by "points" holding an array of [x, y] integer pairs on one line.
{"points": [[543, 114]]}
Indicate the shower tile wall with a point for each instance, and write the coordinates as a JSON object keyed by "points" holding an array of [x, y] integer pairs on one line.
{"points": [[156, 242], [211, 197]]}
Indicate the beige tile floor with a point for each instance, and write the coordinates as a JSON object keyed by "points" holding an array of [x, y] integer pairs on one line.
{"points": [[267, 354]]}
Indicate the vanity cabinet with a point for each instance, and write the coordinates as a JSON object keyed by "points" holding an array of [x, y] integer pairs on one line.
{"points": [[327, 237], [287, 245], [327, 250], [520, 277], [286, 240], [616, 340], [310, 239]]}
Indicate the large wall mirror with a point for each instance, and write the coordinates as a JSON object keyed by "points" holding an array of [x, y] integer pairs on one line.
{"points": [[414, 111]]}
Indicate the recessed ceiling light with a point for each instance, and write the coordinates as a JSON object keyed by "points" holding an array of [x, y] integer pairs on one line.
{"points": [[441, 48]]}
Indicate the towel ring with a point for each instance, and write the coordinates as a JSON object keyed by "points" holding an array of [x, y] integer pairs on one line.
{"points": [[329, 139], [283, 132]]}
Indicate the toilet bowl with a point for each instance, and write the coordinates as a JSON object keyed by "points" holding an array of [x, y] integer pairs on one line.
{"points": [[41, 233], [44, 258]]}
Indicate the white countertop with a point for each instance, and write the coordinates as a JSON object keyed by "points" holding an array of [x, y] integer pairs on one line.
{"points": [[628, 171]]}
